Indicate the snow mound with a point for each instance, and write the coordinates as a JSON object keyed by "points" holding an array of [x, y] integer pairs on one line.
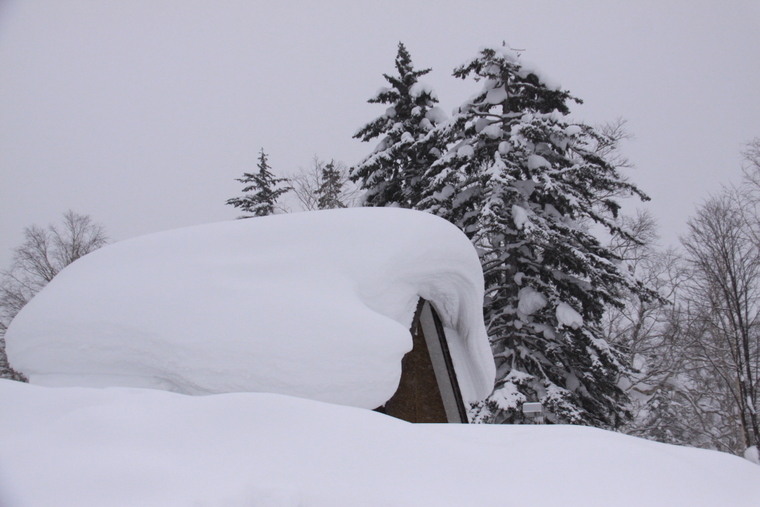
{"points": [[419, 88], [316, 305], [752, 454], [81, 447], [519, 216], [530, 301], [567, 316]]}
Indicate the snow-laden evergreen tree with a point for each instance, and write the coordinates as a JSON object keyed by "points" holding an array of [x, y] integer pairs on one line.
{"points": [[525, 183], [264, 190], [393, 174], [308, 181], [330, 190]]}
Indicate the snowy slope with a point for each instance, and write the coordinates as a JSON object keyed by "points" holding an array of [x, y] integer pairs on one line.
{"points": [[315, 304], [85, 447]]}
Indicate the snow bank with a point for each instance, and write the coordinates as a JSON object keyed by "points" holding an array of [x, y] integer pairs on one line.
{"points": [[83, 447], [316, 305]]}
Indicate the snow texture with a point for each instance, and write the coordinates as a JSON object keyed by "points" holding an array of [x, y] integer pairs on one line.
{"points": [[493, 131], [316, 305], [530, 301], [419, 88], [519, 216], [508, 397], [529, 67], [436, 115], [752, 454], [116, 447], [537, 162], [466, 151], [566, 316], [496, 95]]}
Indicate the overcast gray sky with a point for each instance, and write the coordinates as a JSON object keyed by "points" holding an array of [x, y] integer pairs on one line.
{"points": [[142, 113]]}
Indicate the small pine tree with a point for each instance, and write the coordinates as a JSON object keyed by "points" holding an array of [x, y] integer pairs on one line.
{"points": [[263, 185], [522, 182], [331, 188], [393, 174]]}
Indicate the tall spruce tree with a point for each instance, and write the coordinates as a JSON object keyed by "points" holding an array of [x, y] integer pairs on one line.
{"points": [[524, 183], [265, 191], [393, 173]]}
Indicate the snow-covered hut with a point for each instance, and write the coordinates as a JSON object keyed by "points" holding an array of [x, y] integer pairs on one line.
{"points": [[317, 305]]}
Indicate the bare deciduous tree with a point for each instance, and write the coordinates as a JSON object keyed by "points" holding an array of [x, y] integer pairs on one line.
{"points": [[725, 290], [648, 333], [608, 143], [751, 155], [44, 253]]}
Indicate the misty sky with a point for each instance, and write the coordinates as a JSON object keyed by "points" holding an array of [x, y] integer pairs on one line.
{"points": [[142, 113]]}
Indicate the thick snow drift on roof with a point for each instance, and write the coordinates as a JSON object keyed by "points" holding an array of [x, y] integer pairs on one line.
{"points": [[315, 304], [83, 447]]}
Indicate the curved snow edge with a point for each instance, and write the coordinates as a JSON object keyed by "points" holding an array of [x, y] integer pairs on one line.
{"points": [[314, 304]]}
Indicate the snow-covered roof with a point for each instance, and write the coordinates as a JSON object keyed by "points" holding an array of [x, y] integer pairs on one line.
{"points": [[80, 447], [316, 305]]}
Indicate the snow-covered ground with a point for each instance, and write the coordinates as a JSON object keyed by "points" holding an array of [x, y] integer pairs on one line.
{"points": [[87, 447], [316, 305], [316, 308]]}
